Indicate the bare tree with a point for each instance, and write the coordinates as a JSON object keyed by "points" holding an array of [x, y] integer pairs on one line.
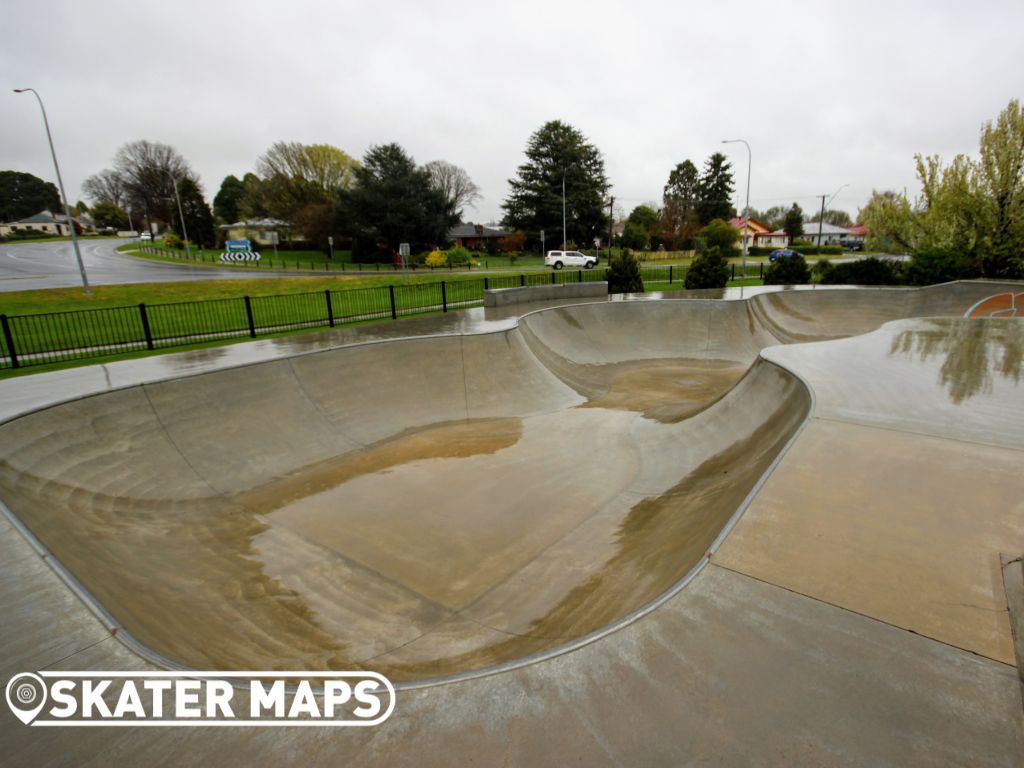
{"points": [[148, 171], [454, 183], [105, 185]]}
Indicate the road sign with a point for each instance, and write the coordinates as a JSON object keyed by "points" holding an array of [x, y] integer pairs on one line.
{"points": [[238, 246], [330, 240], [403, 249]]}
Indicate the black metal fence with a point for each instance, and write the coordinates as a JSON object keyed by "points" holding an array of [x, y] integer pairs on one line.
{"points": [[32, 340]]}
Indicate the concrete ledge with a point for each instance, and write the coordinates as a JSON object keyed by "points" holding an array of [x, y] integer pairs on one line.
{"points": [[503, 297]]}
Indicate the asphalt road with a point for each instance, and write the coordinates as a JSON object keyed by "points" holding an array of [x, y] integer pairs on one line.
{"points": [[33, 266]]}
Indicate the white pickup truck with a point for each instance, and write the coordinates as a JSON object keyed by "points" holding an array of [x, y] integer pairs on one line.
{"points": [[559, 259]]}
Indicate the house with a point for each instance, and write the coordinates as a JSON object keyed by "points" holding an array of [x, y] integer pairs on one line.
{"points": [[474, 236], [754, 229], [830, 233], [858, 232], [262, 232], [44, 222]]}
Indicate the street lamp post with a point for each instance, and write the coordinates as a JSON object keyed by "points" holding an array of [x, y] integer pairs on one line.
{"points": [[746, 218], [60, 181], [565, 236], [181, 214]]}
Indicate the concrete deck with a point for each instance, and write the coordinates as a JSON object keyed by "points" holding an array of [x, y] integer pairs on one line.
{"points": [[854, 615]]}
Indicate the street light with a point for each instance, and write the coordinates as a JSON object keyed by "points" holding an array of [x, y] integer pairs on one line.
{"points": [[60, 181], [184, 232], [565, 235], [746, 218]]}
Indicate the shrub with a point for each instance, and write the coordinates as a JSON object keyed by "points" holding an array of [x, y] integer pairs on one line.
{"points": [[458, 256], [791, 271], [510, 243], [436, 258], [831, 250], [722, 235], [759, 250], [939, 265], [869, 271], [171, 240], [624, 274], [821, 267], [708, 270]]}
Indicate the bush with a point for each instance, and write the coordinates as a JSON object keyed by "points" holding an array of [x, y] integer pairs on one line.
{"points": [[821, 267], [869, 271], [624, 274], [722, 235], [436, 258], [791, 271], [171, 240], [708, 270], [458, 256], [759, 250], [939, 265], [831, 250]]}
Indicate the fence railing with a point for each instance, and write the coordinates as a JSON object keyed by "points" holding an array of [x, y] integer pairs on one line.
{"points": [[41, 339]]}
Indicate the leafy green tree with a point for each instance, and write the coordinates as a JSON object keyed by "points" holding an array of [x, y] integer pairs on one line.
{"points": [[624, 273], [392, 201], [1001, 181], [634, 236], [81, 207], [834, 217], [644, 216], [228, 201], [679, 222], [890, 222], [198, 216], [940, 265], [721, 235], [714, 189], [106, 215], [23, 195], [296, 176], [794, 222], [708, 270], [789, 271], [253, 204], [556, 151]]}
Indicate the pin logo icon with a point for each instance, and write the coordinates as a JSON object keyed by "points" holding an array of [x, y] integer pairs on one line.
{"points": [[26, 696]]}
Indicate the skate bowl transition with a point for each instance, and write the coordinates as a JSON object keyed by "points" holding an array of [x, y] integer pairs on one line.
{"points": [[432, 506]]}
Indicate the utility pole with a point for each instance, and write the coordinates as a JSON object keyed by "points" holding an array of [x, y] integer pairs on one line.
{"points": [[611, 228], [821, 221], [565, 235]]}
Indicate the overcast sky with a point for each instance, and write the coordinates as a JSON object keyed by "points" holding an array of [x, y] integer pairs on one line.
{"points": [[825, 93]]}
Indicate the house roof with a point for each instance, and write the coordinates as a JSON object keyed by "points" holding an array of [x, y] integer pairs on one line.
{"points": [[811, 228], [43, 217], [475, 230], [859, 229], [754, 225]]}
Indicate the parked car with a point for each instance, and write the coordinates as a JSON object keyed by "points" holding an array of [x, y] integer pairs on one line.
{"points": [[852, 245], [559, 259], [782, 253]]}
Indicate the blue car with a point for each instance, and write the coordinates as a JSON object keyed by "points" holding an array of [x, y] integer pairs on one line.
{"points": [[781, 253]]}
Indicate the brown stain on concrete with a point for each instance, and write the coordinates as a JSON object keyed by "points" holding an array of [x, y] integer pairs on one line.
{"points": [[668, 391]]}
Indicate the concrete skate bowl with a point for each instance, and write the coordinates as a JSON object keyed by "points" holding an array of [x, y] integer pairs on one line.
{"points": [[433, 506]]}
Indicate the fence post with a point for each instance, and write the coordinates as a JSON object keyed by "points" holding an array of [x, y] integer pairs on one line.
{"points": [[485, 283], [553, 277], [733, 271], [391, 291], [248, 313], [330, 308], [145, 326], [761, 272], [9, 340], [670, 274], [522, 280], [579, 275], [444, 297]]}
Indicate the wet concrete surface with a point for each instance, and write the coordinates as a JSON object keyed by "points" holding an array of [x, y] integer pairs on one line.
{"points": [[258, 544]]}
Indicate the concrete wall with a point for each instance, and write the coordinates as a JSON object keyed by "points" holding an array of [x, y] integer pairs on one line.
{"points": [[503, 297]]}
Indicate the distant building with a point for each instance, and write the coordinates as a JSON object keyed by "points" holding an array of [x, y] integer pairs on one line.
{"points": [[474, 236], [858, 232], [759, 234], [43, 222], [830, 233], [260, 231]]}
